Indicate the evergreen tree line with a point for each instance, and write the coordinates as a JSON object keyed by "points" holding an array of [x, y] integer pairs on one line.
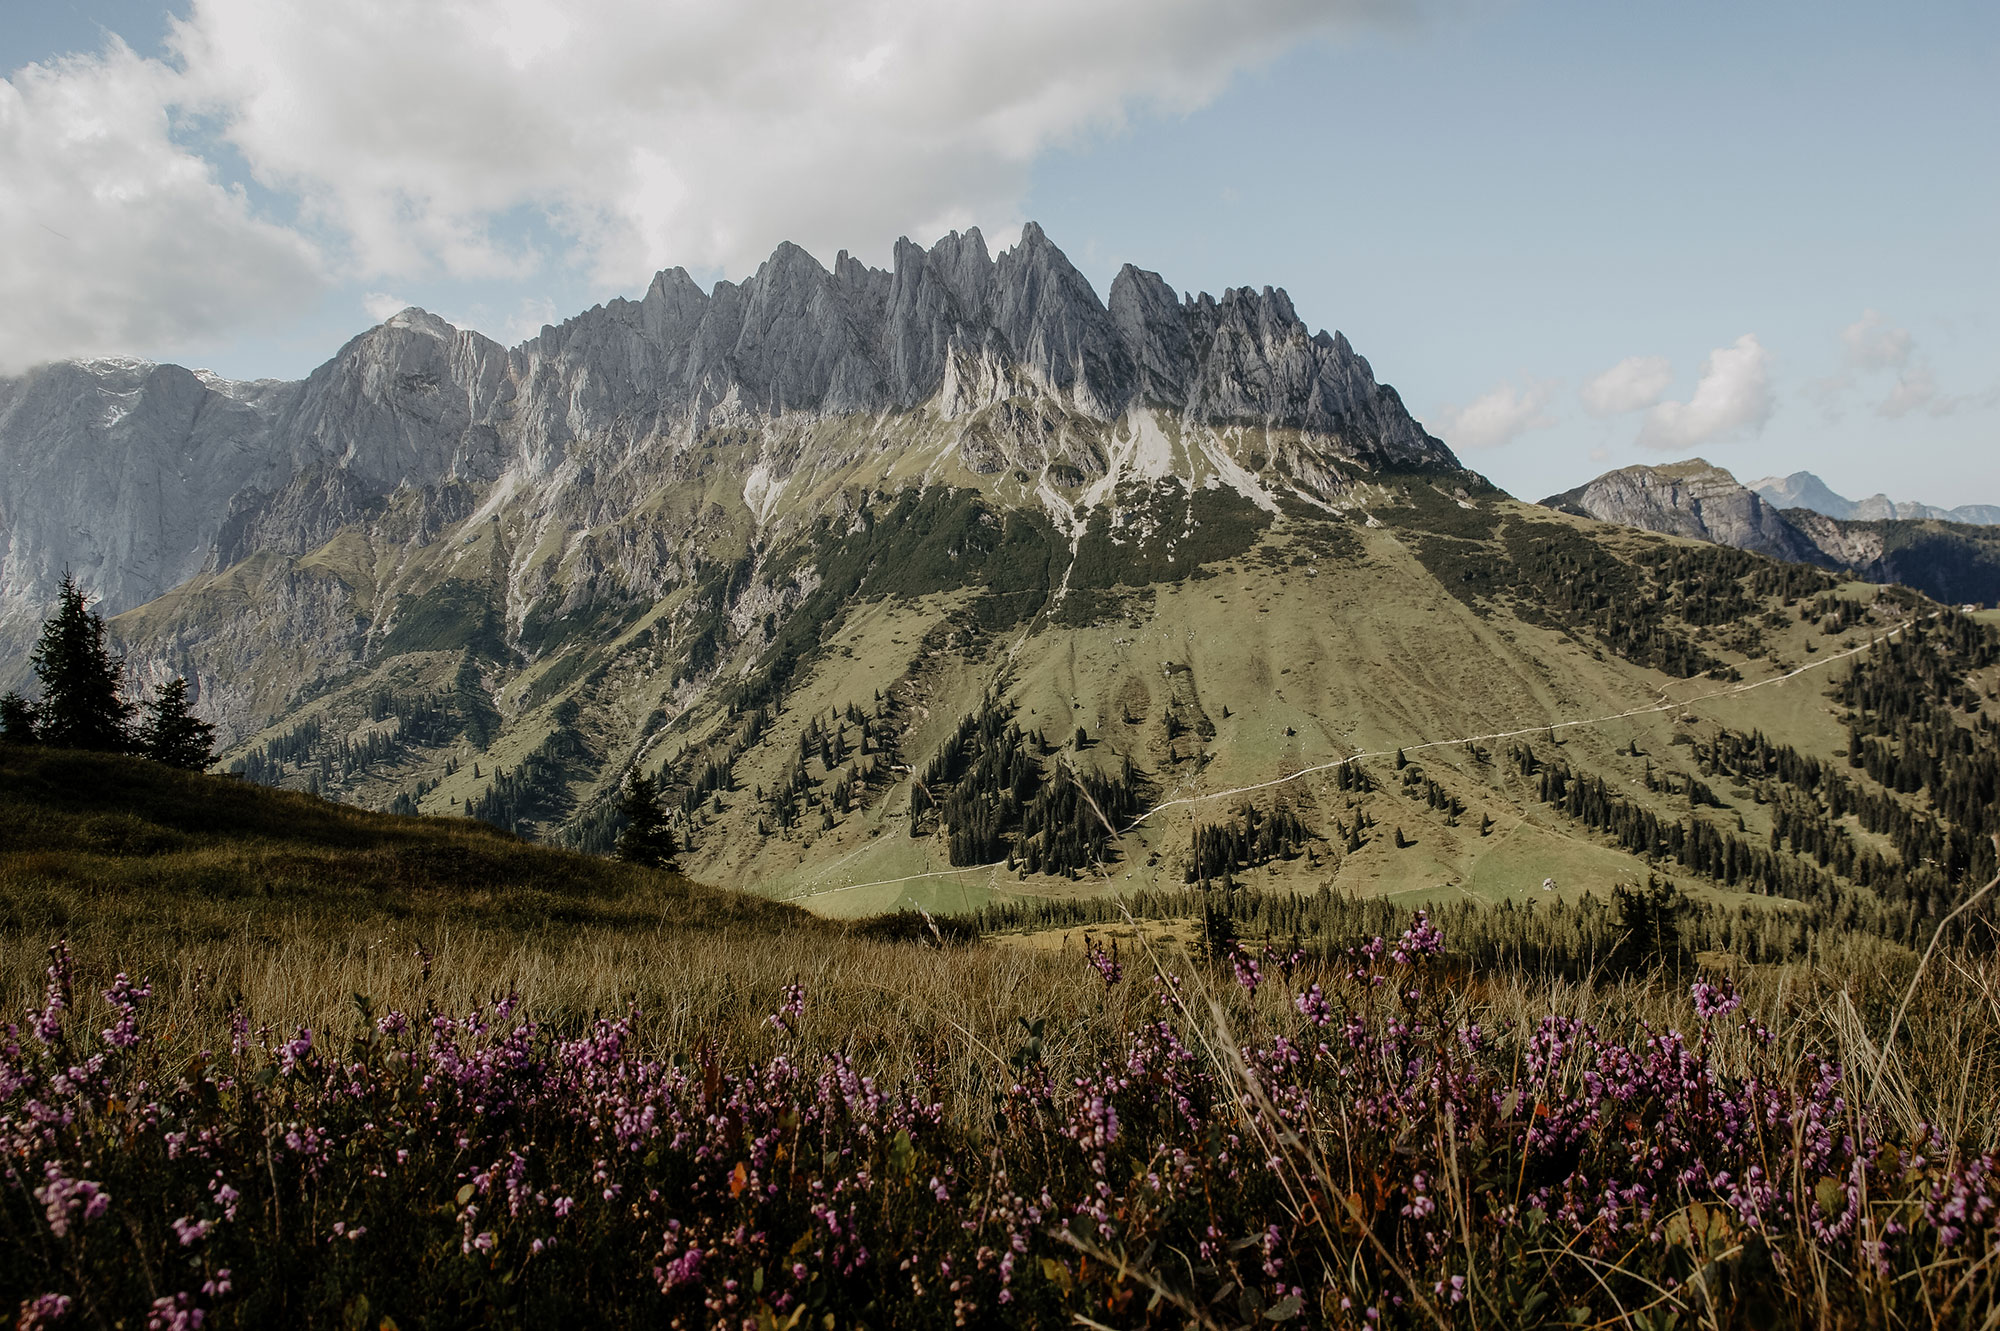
{"points": [[1700, 846], [428, 720], [1836, 614], [1641, 926], [1249, 839], [1416, 785], [1920, 725], [266, 765], [1772, 578], [1691, 789], [474, 706], [82, 703], [1906, 900], [848, 769], [1572, 580], [988, 789], [302, 749], [1808, 798], [1703, 588], [538, 789]]}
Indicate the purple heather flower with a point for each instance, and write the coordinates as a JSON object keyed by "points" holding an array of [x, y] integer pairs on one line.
{"points": [[65, 1199], [43, 1310], [791, 1007], [176, 1312], [1248, 973], [1712, 1001], [1106, 963]]}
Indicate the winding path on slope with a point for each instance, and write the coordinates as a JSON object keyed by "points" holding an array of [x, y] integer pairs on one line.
{"points": [[1650, 709]]}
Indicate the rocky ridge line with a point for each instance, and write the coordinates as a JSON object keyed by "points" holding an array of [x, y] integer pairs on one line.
{"points": [[138, 476]]}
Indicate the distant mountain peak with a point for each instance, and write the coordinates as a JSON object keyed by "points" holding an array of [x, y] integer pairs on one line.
{"points": [[1705, 502], [1692, 498], [1802, 489]]}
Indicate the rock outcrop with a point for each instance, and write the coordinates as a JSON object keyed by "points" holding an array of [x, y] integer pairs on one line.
{"points": [[1690, 499], [1952, 561]]}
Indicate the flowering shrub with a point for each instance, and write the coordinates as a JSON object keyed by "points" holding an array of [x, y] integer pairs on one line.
{"points": [[1348, 1149]]}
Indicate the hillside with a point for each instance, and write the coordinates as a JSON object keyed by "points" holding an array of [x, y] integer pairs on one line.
{"points": [[957, 586], [121, 848]]}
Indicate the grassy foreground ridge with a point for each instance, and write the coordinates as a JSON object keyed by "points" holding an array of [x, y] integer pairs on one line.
{"points": [[302, 1065]]}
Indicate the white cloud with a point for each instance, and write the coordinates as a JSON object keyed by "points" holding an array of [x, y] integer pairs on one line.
{"points": [[1498, 417], [1635, 382], [1916, 389], [1874, 344], [505, 138], [1873, 347], [650, 132], [115, 237], [1733, 396], [380, 305]]}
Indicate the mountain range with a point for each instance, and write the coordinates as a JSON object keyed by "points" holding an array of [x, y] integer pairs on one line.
{"points": [[1802, 489], [942, 585], [1949, 559], [139, 476]]}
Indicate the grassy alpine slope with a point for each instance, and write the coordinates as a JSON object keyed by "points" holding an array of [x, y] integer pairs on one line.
{"points": [[792, 691], [363, 1070]]}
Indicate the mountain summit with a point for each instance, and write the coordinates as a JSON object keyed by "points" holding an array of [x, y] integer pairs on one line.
{"points": [[1802, 489], [138, 476], [1692, 499]]}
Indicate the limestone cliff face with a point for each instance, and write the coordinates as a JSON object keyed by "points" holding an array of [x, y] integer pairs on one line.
{"points": [[1955, 562], [141, 476], [122, 471], [1690, 499]]}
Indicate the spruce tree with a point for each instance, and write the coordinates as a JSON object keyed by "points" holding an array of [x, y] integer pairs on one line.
{"points": [[646, 839], [17, 719], [80, 707], [172, 734]]}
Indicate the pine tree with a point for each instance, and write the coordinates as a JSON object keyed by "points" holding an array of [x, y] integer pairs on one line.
{"points": [[17, 719], [80, 707], [475, 707], [172, 734], [646, 839]]}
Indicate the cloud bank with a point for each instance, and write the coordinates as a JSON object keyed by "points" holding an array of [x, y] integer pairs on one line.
{"points": [[114, 237], [499, 138], [1498, 417], [1731, 398], [1872, 343], [1635, 382]]}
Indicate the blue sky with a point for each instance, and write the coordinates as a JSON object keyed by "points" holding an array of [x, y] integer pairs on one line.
{"points": [[1777, 220]]}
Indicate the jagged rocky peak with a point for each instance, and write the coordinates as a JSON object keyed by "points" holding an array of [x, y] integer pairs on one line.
{"points": [[1693, 499], [408, 400], [798, 336], [140, 476], [117, 470]]}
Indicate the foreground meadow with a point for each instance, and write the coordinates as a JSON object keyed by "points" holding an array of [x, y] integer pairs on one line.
{"points": [[589, 1095]]}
